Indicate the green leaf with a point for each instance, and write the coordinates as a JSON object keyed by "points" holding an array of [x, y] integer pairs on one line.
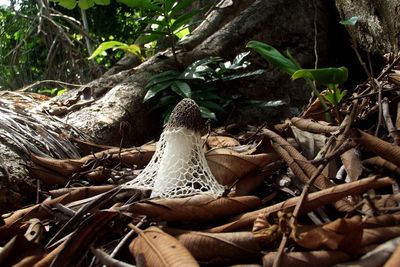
{"points": [[183, 19], [149, 37], [85, 4], [324, 75], [182, 33], [134, 49], [181, 88], [199, 68], [168, 75], [273, 56], [168, 100], [168, 4], [206, 113], [61, 91], [107, 45], [102, 2], [351, 21], [205, 95], [340, 95], [239, 59], [210, 105], [287, 52], [68, 4], [156, 89], [182, 4], [242, 75], [265, 104]]}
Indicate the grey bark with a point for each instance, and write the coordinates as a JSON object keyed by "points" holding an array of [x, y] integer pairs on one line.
{"points": [[378, 30], [224, 32]]}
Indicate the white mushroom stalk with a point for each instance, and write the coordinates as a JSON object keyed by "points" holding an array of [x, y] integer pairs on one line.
{"points": [[179, 167]]}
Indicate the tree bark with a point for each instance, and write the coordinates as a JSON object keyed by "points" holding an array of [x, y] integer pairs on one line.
{"points": [[224, 32], [378, 29]]}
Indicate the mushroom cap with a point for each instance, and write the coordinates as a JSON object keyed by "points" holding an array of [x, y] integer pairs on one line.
{"points": [[186, 114]]}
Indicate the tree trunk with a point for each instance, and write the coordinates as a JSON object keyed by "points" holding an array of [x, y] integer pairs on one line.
{"points": [[378, 29], [225, 33]]}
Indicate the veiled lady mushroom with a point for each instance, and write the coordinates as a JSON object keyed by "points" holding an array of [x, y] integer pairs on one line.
{"points": [[179, 167]]}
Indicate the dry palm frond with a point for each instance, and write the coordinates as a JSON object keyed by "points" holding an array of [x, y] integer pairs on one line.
{"points": [[33, 131]]}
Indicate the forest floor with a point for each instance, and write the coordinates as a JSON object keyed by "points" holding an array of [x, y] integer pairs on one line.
{"points": [[301, 193]]}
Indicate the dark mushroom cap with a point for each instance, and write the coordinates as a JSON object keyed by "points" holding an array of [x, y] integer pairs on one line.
{"points": [[186, 114]]}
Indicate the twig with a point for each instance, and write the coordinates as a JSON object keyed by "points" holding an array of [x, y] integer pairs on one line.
{"points": [[369, 94], [375, 82], [126, 238], [315, 35], [347, 145], [389, 124], [389, 68], [296, 213], [107, 260], [26, 88]]}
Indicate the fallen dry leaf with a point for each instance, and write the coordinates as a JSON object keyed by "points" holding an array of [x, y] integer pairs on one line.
{"points": [[78, 243], [226, 247], [21, 251], [379, 235], [352, 163], [341, 234], [153, 247], [374, 144], [380, 162], [194, 208], [310, 143], [313, 126], [16, 221], [394, 260], [228, 166], [307, 259], [218, 141], [314, 200]]}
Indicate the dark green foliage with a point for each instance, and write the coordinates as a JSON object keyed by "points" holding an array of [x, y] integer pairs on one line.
{"points": [[329, 77], [198, 82]]}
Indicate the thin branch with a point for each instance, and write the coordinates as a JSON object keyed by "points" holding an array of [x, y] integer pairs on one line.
{"points": [[296, 213], [388, 120], [26, 88], [379, 87]]}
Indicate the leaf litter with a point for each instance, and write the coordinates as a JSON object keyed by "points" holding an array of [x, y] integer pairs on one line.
{"points": [[303, 193]]}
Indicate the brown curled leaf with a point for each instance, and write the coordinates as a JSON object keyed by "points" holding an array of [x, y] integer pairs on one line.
{"points": [[310, 143], [342, 234], [314, 200], [307, 259], [228, 166], [65, 167], [59, 171], [78, 243], [394, 260], [48, 176], [382, 220], [153, 247], [194, 208], [16, 221], [297, 162], [374, 144], [352, 164], [20, 251], [218, 141], [226, 247], [379, 235], [313, 126], [380, 162]]}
